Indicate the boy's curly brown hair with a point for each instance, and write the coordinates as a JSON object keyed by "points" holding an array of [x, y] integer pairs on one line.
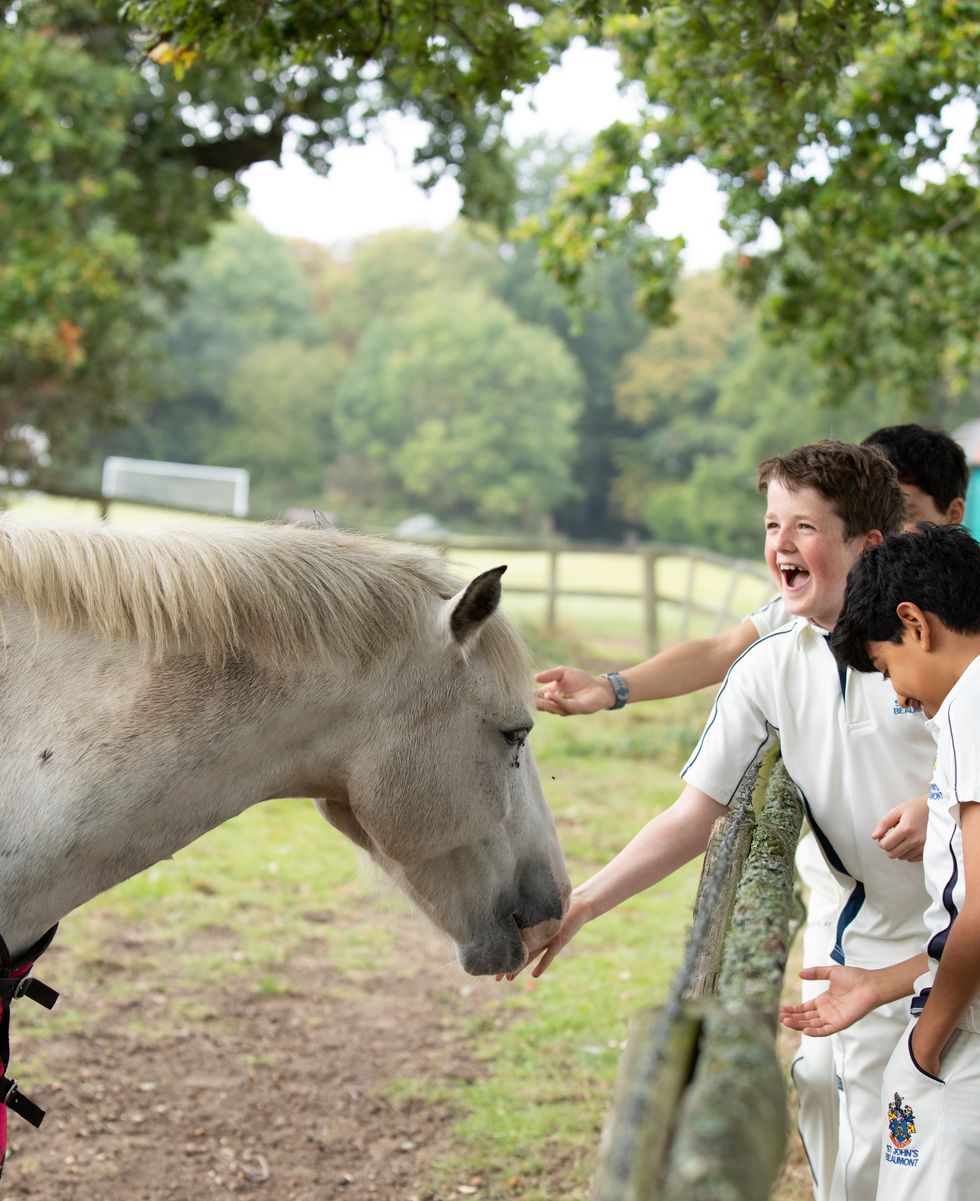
{"points": [[858, 481]]}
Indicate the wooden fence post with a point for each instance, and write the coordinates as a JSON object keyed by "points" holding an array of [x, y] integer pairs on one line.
{"points": [[650, 600], [551, 616], [732, 1127], [723, 617], [692, 564], [661, 1050], [699, 1112]]}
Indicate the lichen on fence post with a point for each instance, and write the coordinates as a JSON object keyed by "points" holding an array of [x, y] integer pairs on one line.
{"points": [[731, 1130], [700, 1108], [662, 1046]]}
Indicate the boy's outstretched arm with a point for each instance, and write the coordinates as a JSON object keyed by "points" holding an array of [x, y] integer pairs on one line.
{"points": [[676, 671], [957, 980], [664, 844]]}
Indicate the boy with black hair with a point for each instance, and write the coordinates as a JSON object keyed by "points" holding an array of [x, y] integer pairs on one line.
{"points": [[848, 746], [912, 612], [932, 471]]}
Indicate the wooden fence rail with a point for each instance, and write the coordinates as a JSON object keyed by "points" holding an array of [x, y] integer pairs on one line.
{"points": [[699, 1112]]}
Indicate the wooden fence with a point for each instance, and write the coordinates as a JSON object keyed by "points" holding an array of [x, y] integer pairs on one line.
{"points": [[720, 611], [699, 1112]]}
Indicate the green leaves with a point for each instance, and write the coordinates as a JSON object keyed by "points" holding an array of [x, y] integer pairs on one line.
{"points": [[452, 405], [827, 125]]}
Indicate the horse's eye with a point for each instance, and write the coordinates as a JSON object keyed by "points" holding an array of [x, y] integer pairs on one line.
{"points": [[515, 737]]}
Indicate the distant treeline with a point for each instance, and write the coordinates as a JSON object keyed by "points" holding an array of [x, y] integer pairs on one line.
{"points": [[444, 372]]}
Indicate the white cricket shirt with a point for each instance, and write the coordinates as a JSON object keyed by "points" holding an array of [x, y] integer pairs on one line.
{"points": [[956, 780], [854, 752]]}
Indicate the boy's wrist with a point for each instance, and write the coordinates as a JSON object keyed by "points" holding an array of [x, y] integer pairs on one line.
{"points": [[897, 980], [584, 906]]}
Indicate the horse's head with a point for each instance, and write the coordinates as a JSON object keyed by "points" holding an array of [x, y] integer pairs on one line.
{"points": [[442, 791]]}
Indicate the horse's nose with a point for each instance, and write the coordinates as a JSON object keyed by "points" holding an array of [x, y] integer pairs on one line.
{"points": [[498, 952], [540, 898]]}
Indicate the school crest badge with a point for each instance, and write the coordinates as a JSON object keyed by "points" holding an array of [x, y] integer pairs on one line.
{"points": [[901, 1122]]}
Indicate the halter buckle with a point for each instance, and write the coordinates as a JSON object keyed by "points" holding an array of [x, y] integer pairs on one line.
{"points": [[37, 991], [16, 1102], [12, 987]]}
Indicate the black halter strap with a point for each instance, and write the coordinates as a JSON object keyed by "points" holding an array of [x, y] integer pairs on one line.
{"points": [[16, 981], [9, 964]]}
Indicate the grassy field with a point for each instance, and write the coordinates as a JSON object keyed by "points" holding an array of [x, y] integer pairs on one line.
{"points": [[551, 1047]]}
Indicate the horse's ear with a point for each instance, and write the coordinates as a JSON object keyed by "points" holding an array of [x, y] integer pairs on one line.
{"points": [[469, 609]]}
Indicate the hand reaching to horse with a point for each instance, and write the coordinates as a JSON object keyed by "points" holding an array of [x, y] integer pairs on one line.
{"points": [[569, 691], [579, 912], [852, 994]]}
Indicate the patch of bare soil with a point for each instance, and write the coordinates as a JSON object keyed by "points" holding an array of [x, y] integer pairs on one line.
{"points": [[280, 1095]]}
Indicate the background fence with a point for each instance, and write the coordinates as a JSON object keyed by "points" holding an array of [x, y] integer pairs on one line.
{"points": [[626, 601]]}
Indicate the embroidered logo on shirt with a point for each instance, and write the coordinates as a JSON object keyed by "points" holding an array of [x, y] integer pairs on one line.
{"points": [[935, 792], [898, 708], [901, 1127]]}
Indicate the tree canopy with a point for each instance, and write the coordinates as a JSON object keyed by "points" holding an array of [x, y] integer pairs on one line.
{"points": [[826, 124]]}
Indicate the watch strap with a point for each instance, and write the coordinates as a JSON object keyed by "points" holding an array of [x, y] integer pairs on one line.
{"points": [[619, 687]]}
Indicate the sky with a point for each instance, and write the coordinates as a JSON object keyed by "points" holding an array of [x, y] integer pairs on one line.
{"points": [[370, 187]]}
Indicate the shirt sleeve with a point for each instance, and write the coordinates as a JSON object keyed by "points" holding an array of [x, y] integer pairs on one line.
{"points": [[738, 731], [770, 617], [963, 758]]}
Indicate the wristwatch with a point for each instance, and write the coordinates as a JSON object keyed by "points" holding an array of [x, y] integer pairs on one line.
{"points": [[619, 687]]}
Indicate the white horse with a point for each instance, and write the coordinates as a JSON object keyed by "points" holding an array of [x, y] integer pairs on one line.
{"points": [[154, 684]]}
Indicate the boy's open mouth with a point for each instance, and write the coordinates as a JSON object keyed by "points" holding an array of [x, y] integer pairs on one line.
{"points": [[794, 578]]}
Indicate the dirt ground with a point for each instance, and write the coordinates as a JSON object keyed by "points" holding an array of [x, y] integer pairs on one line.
{"points": [[280, 1094]]}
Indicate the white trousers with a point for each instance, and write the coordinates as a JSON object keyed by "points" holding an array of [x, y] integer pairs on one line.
{"points": [[812, 1070], [929, 1129], [861, 1054]]}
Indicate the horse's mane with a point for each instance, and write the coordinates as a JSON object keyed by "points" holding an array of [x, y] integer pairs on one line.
{"points": [[274, 593]]}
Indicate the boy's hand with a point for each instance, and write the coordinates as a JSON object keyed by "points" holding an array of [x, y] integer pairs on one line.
{"points": [[926, 1059], [579, 912], [901, 833], [852, 994], [570, 690]]}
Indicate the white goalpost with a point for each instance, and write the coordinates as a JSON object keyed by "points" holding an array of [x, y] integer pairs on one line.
{"points": [[177, 485]]}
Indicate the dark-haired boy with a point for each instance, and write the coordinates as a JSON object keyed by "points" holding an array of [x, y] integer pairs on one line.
{"points": [[912, 612], [846, 743], [932, 471]]}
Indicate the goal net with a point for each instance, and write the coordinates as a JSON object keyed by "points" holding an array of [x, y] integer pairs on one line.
{"points": [[177, 485]]}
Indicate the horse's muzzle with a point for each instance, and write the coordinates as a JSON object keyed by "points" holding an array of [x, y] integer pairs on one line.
{"points": [[496, 956]]}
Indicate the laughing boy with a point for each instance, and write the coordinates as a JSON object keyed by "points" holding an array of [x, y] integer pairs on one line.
{"points": [[850, 748]]}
